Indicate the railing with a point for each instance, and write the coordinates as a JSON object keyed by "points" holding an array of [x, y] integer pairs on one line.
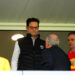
{"points": [[37, 72]]}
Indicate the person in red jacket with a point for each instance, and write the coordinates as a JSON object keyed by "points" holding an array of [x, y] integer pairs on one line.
{"points": [[71, 52]]}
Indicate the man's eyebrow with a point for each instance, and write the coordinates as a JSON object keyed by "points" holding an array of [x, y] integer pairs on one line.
{"points": [[71, 39]]}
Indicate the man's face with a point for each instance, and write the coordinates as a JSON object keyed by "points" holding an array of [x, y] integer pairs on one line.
{"points": [[47, 44], [71, 41], [33, 28]]}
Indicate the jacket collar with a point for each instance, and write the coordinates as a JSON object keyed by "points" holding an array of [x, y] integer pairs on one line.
{"points": [[29, 35]]}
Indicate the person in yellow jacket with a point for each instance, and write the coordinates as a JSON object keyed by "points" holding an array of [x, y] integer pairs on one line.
{"points": [[4, 64]]}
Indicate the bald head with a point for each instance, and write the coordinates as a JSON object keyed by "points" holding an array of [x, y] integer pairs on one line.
{"points": [[54, 36], [51, 40]]}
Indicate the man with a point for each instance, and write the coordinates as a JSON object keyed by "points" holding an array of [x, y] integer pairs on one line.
{"points": [[27, 52], [4, 64], [54, 57], [71, 52]]}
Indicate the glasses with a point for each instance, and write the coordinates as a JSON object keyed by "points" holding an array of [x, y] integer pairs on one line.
{"points": [[33, 27]]}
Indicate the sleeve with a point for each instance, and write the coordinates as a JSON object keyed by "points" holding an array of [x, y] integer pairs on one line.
{"points": [[47, 60], [6, 65], [15, 56]]}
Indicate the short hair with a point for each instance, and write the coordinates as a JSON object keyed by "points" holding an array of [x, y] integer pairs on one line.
{"points": [[70, 33], [51, 41], [32, 20]]}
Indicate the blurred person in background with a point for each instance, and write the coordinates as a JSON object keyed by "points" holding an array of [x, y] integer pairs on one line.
{"points": [[71, 52], [4, 64]]}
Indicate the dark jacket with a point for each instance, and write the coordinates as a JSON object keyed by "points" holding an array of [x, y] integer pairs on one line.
{"points": [[55, 59], [30, 56]]}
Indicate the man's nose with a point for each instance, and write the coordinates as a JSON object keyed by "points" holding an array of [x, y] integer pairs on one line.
{"points": [[34, 28], [70, 41]]}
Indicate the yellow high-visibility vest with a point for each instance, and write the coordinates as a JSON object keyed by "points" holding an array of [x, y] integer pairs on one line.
{"points": [[4, 64]]}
